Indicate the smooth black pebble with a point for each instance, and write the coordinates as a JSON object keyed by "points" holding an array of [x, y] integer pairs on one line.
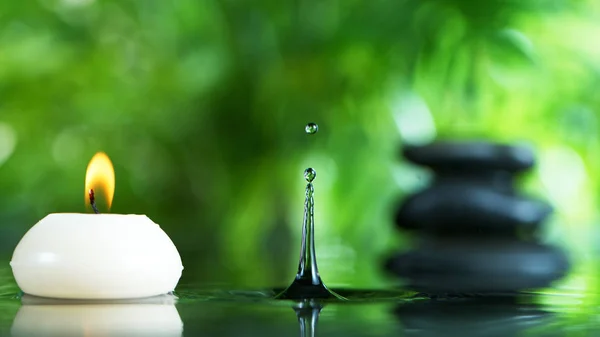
{"points": [[471, 156], [472, 265], [467, 208]]}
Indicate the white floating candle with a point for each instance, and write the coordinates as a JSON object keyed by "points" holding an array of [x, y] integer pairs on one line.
{"points": [[96, 256]]}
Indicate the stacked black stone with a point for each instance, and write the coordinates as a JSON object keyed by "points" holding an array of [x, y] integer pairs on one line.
{"points": [[476, 233]]}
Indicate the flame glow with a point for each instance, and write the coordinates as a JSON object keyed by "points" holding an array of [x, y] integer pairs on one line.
{"points": [[100, 175]]}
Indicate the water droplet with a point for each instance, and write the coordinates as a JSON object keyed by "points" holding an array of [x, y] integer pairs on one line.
{"points": [[311, 128], [310, 174]]}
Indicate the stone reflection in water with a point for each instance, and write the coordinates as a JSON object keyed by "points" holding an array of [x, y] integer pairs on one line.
{"points": [[156, 316], [308, 312], [484, 317]]}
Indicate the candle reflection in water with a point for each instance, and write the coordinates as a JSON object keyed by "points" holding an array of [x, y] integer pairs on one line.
{"points": [[156, 316]]}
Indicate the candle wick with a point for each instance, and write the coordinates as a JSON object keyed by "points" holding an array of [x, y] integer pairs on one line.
{"points": [[93, 201]]}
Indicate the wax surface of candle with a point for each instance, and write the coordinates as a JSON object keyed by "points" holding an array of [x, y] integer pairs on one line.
{"points": [[96, 256]]}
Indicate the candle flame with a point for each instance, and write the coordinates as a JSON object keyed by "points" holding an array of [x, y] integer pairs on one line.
{"points": [[100, 175]]}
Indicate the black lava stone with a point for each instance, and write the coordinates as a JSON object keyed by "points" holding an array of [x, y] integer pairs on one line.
{"points": [[465, 208], [473, 265], [471, 156]]}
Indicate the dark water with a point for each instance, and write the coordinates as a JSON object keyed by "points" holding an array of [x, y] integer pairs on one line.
{"points": [[205, 311]]}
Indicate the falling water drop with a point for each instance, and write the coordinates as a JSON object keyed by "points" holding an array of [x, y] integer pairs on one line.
{"points": [[311, 128], [310, 174]]}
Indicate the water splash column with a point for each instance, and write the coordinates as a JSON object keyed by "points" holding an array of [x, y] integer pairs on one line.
{"points": [[308, 283]]}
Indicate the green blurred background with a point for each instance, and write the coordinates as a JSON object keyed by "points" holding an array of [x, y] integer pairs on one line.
{"points": [[201, 106]]}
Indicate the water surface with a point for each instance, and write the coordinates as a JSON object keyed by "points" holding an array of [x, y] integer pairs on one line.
{"points": [[200, 310]]}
